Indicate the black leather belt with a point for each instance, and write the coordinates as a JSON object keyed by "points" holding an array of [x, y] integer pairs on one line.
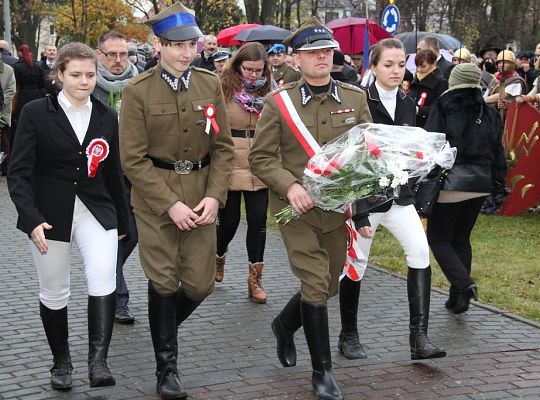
{"points": [[181, 167], [242, 133]]}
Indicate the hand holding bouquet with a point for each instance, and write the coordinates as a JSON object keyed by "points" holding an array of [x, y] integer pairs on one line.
{"points": [[370, 160]]}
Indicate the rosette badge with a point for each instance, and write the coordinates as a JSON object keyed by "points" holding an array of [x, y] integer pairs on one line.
{"points": [[97, 151]]}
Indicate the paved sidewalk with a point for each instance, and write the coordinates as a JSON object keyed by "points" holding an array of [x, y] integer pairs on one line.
{"points": [[227, 349]]}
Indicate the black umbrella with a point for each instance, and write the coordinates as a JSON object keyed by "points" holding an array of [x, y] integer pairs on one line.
{"points": [[264, 34], [411, 39]]}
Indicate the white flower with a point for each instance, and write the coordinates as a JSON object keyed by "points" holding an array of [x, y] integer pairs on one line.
{"points": [[384, 182], [400, 178]]}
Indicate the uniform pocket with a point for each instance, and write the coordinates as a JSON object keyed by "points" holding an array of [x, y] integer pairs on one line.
{"points": [[199, 105], [162, 109], [345, 119]]}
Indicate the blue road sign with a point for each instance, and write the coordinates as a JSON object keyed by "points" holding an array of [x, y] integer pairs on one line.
{"points": [[390, 19]]}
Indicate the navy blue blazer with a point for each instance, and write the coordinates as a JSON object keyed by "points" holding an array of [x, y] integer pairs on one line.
{"points": [[48, 168]]}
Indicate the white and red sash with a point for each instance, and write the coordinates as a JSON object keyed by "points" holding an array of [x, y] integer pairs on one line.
{"points": [[352, 267]]}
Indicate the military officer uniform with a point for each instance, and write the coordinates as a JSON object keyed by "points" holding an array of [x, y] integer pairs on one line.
{"points": [[175, 147], [316, 242], [284, 73]]}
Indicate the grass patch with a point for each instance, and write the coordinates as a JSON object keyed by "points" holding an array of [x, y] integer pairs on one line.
{"points": [[506, 261]]}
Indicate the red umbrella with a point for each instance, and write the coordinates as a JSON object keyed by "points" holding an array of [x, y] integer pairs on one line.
{"points": [[349, 32], [225, 37]]}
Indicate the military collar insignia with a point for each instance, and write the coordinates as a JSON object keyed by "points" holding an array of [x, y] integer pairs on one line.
{"points": [[334, 92], [306, 94], [186, 76], [176, 83]]}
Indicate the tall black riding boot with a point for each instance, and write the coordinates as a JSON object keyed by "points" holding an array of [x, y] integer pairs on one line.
{"points": [[55, 323], [101, 310], [315, 321], [162, 316], [184, 306], [288, 321], [419, 291], [349, 342]]}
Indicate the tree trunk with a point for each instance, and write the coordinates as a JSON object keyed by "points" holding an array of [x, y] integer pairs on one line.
{"points": [[268, 8], [252, 11]]}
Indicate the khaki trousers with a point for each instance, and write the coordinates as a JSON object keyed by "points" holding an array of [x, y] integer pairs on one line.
{"points": [[316, 258], [170, 256]]}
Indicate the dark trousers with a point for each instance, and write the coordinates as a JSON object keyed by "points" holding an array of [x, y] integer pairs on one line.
{"points": [[449, 236], [125, 248], [229, 217], [5, 148]]}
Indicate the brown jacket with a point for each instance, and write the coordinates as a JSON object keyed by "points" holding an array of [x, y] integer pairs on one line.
{"points": [[241, 177], [274, 134], [157, 121]]}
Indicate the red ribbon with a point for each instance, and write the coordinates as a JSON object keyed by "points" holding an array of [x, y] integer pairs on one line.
{"points": [[422, 100], [97, 151], [210, 114]]}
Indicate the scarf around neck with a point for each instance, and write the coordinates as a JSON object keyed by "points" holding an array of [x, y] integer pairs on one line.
{"points": [[246, 99], [112, 83]]}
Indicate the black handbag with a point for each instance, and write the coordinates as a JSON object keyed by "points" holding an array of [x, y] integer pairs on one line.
{"points": [[427, 191], [469, 178]]}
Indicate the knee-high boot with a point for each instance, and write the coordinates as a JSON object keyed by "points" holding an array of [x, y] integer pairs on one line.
{"points": [[349, 341], [419, 291], [163, 327], [184, 306], [55, 323], [315, 322], [101, 311], [287, 322]]}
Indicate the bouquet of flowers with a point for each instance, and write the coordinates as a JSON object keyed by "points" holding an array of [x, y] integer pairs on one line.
{"points": [[370, 161]]}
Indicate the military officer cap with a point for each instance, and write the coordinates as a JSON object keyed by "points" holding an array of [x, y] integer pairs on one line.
{"points": [[176, 23], [312, 35], [220, 55]]}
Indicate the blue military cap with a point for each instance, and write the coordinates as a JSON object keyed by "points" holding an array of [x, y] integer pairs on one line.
{"points": [[312, 35], [176, 23], [278, 48]]}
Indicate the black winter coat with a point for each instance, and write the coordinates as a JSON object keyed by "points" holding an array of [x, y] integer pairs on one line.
{"points": [[433, 86], [475, 129], [30, 82], [48, 168]]}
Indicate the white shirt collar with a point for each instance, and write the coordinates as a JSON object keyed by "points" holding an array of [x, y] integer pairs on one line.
{"points": [[66, 104], [385, 94]]}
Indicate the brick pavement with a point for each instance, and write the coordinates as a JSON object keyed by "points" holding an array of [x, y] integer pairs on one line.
{"points": [[227, 350]]}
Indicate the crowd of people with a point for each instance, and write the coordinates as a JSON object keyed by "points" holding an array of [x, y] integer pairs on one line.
{"points": [[108, 149]]}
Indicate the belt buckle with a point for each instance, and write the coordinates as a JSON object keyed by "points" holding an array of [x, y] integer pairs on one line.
{"points": [[183, 167]]}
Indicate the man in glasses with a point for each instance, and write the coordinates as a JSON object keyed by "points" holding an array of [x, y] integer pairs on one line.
{"points": [[281, 71], [113, 73]]}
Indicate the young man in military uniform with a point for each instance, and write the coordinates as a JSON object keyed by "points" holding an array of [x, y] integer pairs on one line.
{"points": [[177, 152], [281, 71], [319, 109]]}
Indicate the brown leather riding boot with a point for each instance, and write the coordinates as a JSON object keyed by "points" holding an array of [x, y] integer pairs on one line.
{"points": [[255, 288], [220, 267]]}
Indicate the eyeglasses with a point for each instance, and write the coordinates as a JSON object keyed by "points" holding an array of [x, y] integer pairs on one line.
{"points": [[252, 70], [111, 55]]}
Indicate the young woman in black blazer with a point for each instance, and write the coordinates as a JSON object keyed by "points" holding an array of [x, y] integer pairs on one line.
{"points": [[389, 105], [66, 182]]}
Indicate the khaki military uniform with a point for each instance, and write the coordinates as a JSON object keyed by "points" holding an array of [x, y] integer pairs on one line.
{"points": [[316, 242], [169, 125], [285, 74]]}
